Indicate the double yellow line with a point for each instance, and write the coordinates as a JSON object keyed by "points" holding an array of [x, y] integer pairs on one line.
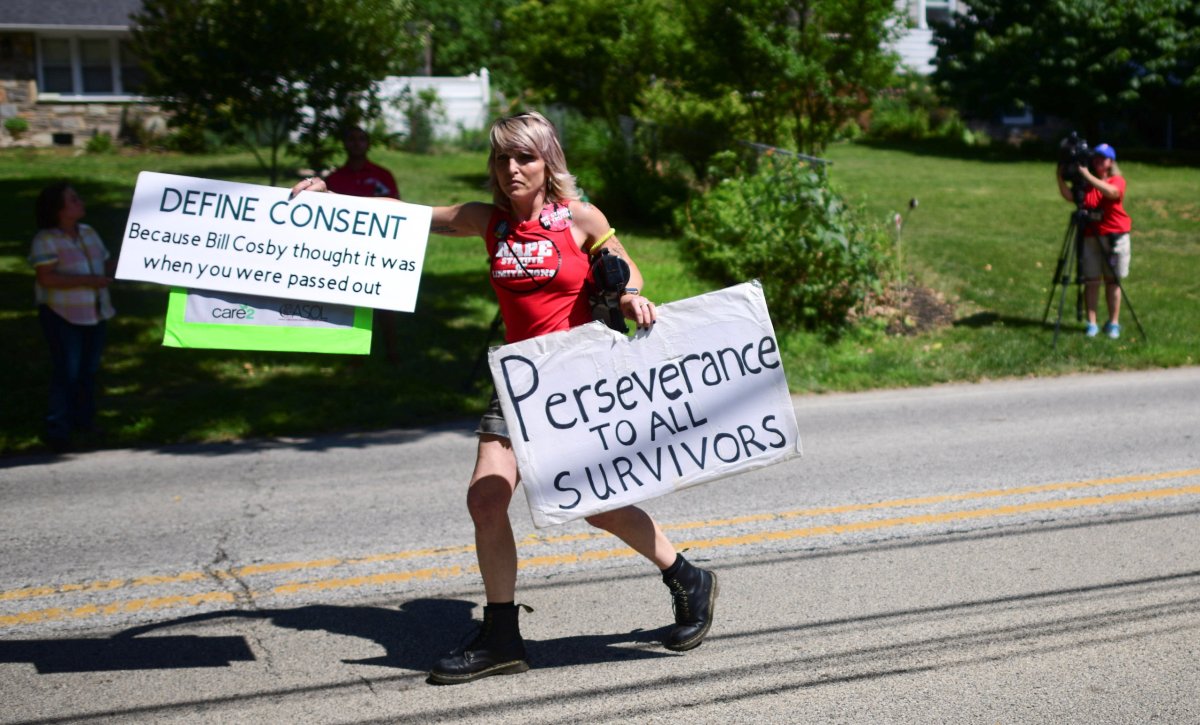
{"points": [[552, 560]]}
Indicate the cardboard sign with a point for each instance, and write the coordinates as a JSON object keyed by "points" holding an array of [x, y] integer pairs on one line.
{"points": [[232, 321], [599, 420], [232, 237]]}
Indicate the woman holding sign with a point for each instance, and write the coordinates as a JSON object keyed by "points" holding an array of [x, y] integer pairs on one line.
{"points": [[539, 236]]}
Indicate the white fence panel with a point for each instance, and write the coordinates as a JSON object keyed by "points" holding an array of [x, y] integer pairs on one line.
{"points": [[464, 101]]}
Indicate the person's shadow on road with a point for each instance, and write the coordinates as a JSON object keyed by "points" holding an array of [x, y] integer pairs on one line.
{"points": [[412, 637]]}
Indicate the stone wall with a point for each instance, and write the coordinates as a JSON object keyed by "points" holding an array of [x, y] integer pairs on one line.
{"points": [[68, 123]]}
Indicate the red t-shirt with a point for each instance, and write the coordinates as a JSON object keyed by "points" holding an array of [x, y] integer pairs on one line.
{"points": [[539, 273], [370, 180], [1114, 220]]}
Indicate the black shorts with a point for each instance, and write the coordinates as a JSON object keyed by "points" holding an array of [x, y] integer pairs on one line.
{"points": [[492, 422]]}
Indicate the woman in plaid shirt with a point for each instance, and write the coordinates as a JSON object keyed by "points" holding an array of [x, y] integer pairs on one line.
{"points": [[71, 289]]}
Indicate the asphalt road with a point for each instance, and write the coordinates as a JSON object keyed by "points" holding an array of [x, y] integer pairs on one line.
{"points": [[1024, 551]]}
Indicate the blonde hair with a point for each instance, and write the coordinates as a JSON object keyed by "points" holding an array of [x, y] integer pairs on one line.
{"points": [[531, 133]]}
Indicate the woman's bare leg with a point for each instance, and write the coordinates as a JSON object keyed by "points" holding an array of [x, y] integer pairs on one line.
{"points": [[635, 527], [488, 496]]}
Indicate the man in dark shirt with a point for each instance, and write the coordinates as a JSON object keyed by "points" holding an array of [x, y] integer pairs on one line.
{"points": [[359, 177]]}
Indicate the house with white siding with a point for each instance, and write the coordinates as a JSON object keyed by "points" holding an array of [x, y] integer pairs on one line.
{"points": [[915, 44]]}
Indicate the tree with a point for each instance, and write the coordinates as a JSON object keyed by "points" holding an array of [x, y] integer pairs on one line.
{"points": [[269, 69], [595, 56], [802, 69], [459, 37], [778, 71], [1083, 61]]}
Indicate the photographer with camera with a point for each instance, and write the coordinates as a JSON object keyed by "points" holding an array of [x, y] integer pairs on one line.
{"points": [[1100, 190]]}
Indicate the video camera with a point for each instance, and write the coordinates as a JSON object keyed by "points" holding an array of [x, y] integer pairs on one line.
{"points": [[1073, 152], [610, 274]]}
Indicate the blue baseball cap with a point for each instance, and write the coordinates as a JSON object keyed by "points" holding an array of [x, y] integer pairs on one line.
{"points": [[1106, 151]]}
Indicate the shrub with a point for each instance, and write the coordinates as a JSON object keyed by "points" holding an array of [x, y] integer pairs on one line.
{"points": [[623, 169], [422, 111], [785, 226], [472, 139], [192, 139], [896, 119], [381, 137], [912, 111], [588, 143], [100, 143], [16, 126]]}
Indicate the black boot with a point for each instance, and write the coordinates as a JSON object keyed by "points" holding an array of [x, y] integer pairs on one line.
{"points": [[497, 650], [694, 595]]}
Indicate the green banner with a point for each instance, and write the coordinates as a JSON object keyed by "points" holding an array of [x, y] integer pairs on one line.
{"points": [[235, 321]]}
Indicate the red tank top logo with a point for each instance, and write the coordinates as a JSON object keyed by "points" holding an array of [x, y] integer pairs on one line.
{"points": [[526, 265]]}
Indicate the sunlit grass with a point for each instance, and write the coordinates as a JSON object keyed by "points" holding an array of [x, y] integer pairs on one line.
{"points": [[986, 234]]}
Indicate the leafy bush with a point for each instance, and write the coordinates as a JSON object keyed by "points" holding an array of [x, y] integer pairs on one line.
{"points": [[587, 143], [911, 111], [623, 170], [691, 125], [16, 126], [472, 139], [100, 143], [380, 136], [896, 119], [422, 110], [195, 139], [785, 226]]}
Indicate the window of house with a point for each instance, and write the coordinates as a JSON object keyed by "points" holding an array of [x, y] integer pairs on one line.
{"points": [[56, 66], [939, 12], [88, 66], [96, 66], [133, 78]]}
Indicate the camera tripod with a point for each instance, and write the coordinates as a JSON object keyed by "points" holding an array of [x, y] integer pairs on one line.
{"points": [[1071, 256]]}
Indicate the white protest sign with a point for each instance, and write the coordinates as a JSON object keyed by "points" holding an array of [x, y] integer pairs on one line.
{"points": [[599, 420], [233, 237]]}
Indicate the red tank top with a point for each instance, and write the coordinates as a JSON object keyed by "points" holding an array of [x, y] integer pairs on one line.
{"points": [[1114, 220], [539, 273]]}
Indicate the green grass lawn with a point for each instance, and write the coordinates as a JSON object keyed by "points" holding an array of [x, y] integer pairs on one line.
{"points": [[986, 234]]}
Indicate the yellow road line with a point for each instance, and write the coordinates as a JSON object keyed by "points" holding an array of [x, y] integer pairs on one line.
{"points": [[946, 517], [447, 572], [563, 559], [921, 519], [235, 573], [943, 498], [133, 605], [537, 540]]}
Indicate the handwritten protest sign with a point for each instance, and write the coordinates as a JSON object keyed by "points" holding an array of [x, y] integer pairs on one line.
{"points": [[599, 421], [232, 237]]}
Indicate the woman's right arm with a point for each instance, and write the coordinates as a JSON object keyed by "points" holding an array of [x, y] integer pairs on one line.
{"points": [[461, 220], [50, 279]]}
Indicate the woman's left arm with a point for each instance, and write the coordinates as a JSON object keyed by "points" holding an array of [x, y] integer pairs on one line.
{"points": [[594, 225]]}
